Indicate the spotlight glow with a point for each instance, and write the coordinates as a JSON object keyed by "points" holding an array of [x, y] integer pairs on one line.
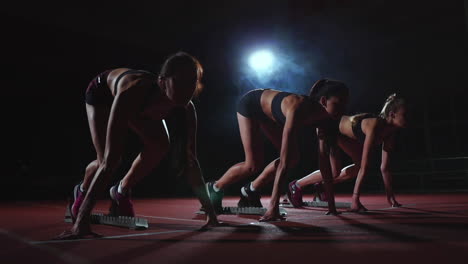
{"points": [[261, 60]]}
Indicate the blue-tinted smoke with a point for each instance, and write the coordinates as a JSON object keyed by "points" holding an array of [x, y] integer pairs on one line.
{"points": [[291, 72]]}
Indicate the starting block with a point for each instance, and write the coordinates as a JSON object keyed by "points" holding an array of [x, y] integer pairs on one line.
{"points": [[134, 223], [318, 203], [245, 211]]}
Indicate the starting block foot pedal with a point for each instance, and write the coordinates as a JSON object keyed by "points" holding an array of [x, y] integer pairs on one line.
{"points": [[245, 211], [134, 223], [323, 204], [318, 203]]}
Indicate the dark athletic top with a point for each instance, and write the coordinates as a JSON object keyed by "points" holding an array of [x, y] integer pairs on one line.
{"points": [[150, 92], [132, 72], [276, 107], [357, 128], [279, 116]]}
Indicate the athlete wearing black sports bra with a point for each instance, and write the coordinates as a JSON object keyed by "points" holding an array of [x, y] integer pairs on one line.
{"points": [[279, 115], [356, 125], [124, 98], [250, 106], [358, 134], [99, 93]]}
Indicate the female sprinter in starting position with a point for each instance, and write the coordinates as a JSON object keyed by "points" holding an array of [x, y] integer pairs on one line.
{"points": [[123, 98], [280, 115], [358, 135]]}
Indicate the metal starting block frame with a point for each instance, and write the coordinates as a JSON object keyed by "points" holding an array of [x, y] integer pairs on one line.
{"points": [[134, 223], [318, 203], [245, 211]]}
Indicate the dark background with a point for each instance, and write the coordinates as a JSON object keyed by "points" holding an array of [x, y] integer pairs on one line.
{"points": [[51, 51]]}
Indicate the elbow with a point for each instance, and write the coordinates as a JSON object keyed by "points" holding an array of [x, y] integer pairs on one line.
{"points": [[363, 169], [287, 164], [282, 167], [384, 169]]}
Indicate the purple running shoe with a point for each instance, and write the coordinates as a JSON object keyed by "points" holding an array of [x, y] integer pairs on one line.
{"points": [[121, 204], [295, 194], [78, 198]]}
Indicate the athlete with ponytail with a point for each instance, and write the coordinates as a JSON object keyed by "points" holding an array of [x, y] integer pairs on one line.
{"points": [[280, 115], [358, 135], [119, 99]]}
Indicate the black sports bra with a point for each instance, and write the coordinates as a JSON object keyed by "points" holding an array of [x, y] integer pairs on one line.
{"points": [[130, 72], [150, 92], [276, 107], [357, 127]]}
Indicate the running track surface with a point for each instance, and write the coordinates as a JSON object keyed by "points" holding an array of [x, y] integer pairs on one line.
{"points": [[429, 228]]}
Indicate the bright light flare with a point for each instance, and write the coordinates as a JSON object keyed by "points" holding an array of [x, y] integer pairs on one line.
{"points": [[261, 60]]}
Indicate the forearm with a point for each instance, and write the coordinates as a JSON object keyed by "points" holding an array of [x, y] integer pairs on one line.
{"points": [[193, 169], [359, 180], [387, 179], [327, 176], [197, 183], [335, 162], [280, 177], [325, 169], [97, 186]]}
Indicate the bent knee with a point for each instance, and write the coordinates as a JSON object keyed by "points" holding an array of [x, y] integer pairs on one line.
{"points": [[94, 165], [384, 169], [253, 168]]}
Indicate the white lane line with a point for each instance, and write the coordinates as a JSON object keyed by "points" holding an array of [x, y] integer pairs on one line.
{"points": [[171, 218], [392, 208], [139, 215], [121, 236], [104, 238]]}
